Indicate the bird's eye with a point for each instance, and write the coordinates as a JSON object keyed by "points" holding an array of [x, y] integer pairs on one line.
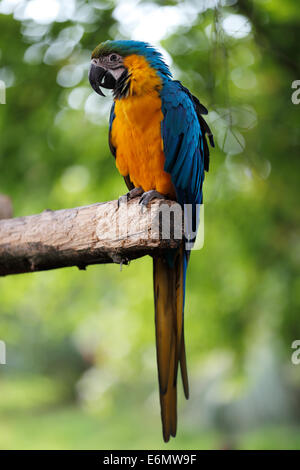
{"points": [[113, 57]]}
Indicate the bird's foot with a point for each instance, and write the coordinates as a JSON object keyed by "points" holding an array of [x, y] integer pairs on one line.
{"points": [[135, 192], [148, 196]]}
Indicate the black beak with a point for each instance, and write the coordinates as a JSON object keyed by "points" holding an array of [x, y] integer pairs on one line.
{"points": [[100, 77]]}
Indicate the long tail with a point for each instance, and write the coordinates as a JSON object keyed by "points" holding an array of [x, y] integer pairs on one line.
{"points": [[169, 284]]}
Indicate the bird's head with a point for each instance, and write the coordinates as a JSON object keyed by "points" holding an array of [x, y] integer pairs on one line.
{"points": [[112, 65]]}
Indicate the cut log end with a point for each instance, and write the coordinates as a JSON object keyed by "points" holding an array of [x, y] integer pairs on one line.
{"points": [[6, 208]]}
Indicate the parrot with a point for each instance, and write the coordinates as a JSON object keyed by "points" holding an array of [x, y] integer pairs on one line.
{"points": [[158, 137]]}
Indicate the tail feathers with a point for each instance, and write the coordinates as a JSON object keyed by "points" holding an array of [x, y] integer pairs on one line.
{"points": [[170, 347], [168, 403], [183, 368]]}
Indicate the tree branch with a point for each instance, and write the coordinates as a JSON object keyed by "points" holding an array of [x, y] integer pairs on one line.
{"points": [[99, 233], [6, 210]]}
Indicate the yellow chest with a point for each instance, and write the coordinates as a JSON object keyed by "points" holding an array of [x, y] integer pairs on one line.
{"points": [[136, 135]]}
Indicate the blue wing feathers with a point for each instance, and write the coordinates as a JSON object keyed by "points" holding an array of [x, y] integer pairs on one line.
{"points": [[183, 143], [185, 162], [111, 118]]}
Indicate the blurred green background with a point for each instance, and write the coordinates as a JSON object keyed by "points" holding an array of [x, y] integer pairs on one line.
{"points": [[81, 366]]}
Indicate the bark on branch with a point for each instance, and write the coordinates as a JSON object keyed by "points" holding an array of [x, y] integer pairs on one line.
{"points": [[99, 233]]}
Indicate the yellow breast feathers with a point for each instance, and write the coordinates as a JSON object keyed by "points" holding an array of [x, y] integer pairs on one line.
{"points": [[136, 130]]}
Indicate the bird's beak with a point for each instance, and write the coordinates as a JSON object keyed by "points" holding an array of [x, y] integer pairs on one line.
{"points": [[100, 77]]}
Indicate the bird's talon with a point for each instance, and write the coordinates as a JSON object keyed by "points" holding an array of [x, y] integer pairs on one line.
{"points": [[135, 192], [149, 196]]}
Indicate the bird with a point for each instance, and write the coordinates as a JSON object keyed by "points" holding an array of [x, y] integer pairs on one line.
{"points": [[158, 137]]}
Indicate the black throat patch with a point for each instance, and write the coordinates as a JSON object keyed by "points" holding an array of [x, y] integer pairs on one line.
{"points": [[121, 89]]}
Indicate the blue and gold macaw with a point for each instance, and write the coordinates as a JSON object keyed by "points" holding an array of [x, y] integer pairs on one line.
{"points": [[158, 138]]}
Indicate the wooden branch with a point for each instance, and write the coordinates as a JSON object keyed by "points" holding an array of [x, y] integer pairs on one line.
{"points": [[6, 210], [99, 233]]}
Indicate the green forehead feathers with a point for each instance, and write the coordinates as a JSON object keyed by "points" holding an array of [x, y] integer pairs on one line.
{"points": [[104, 48]]}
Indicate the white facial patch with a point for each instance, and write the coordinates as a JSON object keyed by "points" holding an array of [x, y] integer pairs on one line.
{"points": [[116, 73]]}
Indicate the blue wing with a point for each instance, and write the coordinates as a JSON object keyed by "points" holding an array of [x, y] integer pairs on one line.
{"points": [[111, 118], [185, 147]]}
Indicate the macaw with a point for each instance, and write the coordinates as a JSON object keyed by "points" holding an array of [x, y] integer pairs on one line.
{"points": [[158, 137]]}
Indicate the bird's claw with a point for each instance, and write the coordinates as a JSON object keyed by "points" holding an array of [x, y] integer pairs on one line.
{"points": [[135, 192], [147, 197]]}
